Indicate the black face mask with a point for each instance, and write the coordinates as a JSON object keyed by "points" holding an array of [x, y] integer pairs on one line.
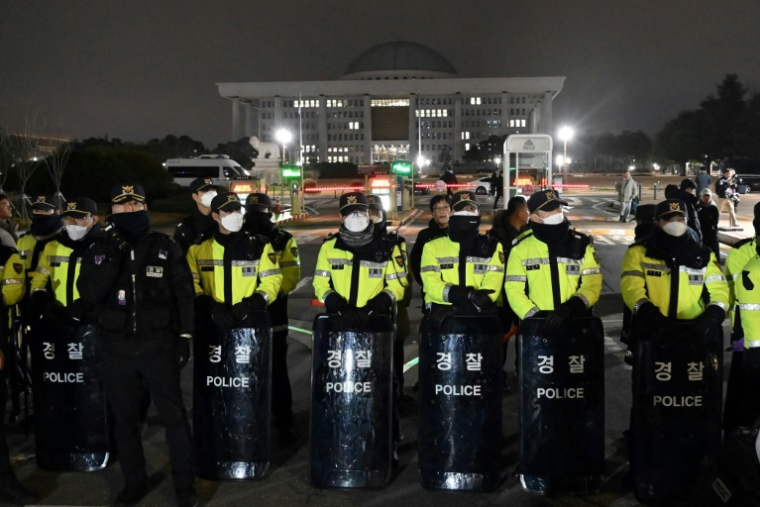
{"points": [[44, 225], [131, 225], [756, 225], [461, 227]]}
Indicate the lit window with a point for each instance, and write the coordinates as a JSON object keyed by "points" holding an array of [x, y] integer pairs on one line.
{"points": [[466, 146]]}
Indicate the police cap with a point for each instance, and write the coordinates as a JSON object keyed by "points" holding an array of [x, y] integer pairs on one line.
{"points": [[669, 208], [258, 202], [203, 185], [122, 193], [757, 210], [375, 203], [463, 198], [226, 201], [545, 200], [645, 212], [79, 207], [46, 202], [353, 201]]}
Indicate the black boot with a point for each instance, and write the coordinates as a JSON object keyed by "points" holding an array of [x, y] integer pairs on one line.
{"points": [[15, 493], [187, 498], [131, 494]]}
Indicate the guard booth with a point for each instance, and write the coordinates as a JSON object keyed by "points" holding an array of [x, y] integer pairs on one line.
{"points": [[291, 175], [527, 164], [402, 169]]}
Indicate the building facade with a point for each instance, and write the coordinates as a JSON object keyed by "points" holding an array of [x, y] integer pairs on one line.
{"points": [[397, 100]]}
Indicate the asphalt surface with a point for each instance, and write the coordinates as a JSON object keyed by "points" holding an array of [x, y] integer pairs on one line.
{"points": [[288, 480]]}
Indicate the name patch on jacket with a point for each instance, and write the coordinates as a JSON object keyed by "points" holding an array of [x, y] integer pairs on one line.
{"points": [[532, 267], [573, 269], [479, 269], [375, 273], [696, 279], [447, 266], [249, 271], [652, 272], [154, 272], [336, 266]]}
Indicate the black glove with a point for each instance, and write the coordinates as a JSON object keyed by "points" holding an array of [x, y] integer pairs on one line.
{"points": [[712, 317], [244, 310], [480, 299], [222, 316], [559, 317], [334, 303], [355, 318], [380, 304], [38, 303], [76, 310], [651, 320], [459, 295], [256, 301], [204, 304], [112, 236], [183, 352], [440, 314]]}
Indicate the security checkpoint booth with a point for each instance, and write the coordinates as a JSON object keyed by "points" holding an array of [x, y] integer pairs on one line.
{"points": [[527, 164]]}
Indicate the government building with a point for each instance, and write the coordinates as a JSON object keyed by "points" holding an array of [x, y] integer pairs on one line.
{"points": [[398, 100]]}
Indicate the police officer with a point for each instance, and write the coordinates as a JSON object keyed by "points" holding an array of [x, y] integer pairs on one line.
{"points": [[141, 289], [462, 273], [11, 490], [46, 224], [258, 220], [736, 413], [199, 225], [59, 265], [646, 279], [358, 272], [552, 268]]}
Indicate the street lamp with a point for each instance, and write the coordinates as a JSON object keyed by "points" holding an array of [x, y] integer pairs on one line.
{"points": [[565, 134], [283, 137]]}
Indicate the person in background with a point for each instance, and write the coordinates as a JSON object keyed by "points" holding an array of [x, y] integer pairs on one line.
{"points": [[198, 226], [626, 190], [703, 180], [725, 188], [686, 192], [437, 227], [450, 179], [8, 227], [46, 225], [707, 211], [497, 184]]}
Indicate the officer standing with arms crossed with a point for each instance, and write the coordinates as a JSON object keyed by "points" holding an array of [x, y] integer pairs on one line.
{"points": [[462, 273], [141, 289], [357, 273], [198, 226], [258, 220], [552, 268]]}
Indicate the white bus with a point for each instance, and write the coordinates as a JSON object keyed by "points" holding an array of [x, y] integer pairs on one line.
{"points": [[219, 168]]}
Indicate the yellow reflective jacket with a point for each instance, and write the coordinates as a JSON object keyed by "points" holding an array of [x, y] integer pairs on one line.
{"points": [[59, 266], [286, 250], [231, 273], [439, 268], [529, 279], [747, 286], [358, 278], [13, 275], [30, 250], [644, 278], [738, 257]]}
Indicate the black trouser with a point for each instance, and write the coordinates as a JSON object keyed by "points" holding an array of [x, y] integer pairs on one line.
{"points": [[123, 379], [282, 397], [496, 200], [742, 406], [7, 476]]}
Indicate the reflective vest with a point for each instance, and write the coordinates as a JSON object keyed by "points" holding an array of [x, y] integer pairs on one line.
{"points": [[532, 275], [440, 268], [231, 274], [30, 249], [645, 279], [747, 286], [359, 279], [13, 277], [286, 250], [738, 257], [59, 265]]}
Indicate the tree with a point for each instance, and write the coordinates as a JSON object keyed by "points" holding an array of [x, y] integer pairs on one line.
{"points": [[721, 115], [683, 138]]}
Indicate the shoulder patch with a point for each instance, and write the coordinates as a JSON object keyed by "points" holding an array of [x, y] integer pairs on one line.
{"points": [[522, 237]]}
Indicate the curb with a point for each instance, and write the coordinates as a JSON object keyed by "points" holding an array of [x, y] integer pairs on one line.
{"points": [[414, 214], [293, 218]]}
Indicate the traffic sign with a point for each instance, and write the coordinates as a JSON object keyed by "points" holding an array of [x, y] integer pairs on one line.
{"points": [[527, 190]]}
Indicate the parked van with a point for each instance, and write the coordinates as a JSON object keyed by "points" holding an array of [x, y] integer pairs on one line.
{"points": [[219, 168]]}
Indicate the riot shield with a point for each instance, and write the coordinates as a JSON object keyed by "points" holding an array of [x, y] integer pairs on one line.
{"points": [[70, 415], [562, 407], [676, 419], [460, 404], [232, 398], [351, 404]]}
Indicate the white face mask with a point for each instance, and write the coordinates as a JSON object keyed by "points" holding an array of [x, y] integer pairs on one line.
{"points": [[233, 222], [356, 223], [466, 214], [555, 219], [675, 228], [377, 219], [77, 232], [207, 198]]}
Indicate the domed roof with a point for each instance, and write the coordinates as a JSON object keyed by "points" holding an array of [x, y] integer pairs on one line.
{"points": [[397, 59]]}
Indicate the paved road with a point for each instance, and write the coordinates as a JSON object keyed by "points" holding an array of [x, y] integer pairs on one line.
{"points": [[288, 482]]}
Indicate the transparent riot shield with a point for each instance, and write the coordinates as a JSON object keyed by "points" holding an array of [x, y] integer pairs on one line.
{"points": [[232, 399], [676, 415], [460, 404], [351, 389], [562, 407], [70, 415]]}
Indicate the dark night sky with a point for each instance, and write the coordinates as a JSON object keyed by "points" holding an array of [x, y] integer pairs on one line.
{"points": [[140, 69]]}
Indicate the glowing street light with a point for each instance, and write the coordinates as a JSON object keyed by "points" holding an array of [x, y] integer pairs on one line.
{"points": [[565, 134], [283, 137]]}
